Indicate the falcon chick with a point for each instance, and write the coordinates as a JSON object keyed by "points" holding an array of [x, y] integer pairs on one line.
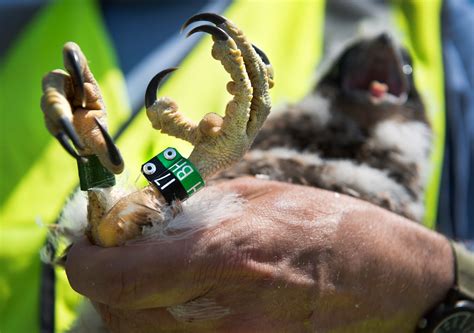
{"points": [[361, 131]]}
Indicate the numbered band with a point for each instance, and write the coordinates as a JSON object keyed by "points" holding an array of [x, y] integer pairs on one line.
{"points": [[93, 174], [173, 175]]}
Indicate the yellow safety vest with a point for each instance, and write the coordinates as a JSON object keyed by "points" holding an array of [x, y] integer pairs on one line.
{"points": [[37, 175], [420, 23]]}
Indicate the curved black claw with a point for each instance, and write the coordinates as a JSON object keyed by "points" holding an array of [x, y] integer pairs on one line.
{"points": [[77, 74], [262, 55], [151, 89], [63, 140], [211, 17], [212, 30], [114, 154], [67, 127]]}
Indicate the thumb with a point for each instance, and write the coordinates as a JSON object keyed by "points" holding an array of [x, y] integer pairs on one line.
{"points": [[135, 275]]}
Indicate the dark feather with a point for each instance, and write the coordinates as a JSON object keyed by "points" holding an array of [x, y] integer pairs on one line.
{"points": [[350, 133]]}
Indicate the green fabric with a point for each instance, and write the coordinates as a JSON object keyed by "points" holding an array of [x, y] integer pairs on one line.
{"points": [[420, 24], [37, 174]]}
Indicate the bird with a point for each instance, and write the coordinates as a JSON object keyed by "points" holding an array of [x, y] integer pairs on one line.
{"points": [[362, 131]]}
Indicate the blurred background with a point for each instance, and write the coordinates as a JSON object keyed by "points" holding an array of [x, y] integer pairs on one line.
{"points": [[127, 42]]}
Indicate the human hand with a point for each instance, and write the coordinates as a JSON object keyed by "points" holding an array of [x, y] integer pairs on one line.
{"points": [[296, 259]]}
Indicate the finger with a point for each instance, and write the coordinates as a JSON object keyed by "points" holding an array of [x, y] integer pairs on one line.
{"points": [[146, 320], [134, 275]]}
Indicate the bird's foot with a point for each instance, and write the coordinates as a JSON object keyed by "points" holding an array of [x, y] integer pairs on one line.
{"points": [[74, 110], [220, 141]]}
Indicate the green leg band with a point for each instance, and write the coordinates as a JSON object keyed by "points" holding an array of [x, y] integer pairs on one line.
{"points": [[93, 174]]}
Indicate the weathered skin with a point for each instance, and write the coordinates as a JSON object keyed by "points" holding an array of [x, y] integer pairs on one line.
{"points": [[218, 141]]}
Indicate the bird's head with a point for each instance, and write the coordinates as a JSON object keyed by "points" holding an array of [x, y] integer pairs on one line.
{"points": [[373, 75]]}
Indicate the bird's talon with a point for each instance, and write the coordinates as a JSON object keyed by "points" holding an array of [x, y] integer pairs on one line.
{"points": [[70, 132], [262, 55], [216, 32], [152, 88], [63, 140], [75, 65], [113, 153], [267, 63], [210, 17]]}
